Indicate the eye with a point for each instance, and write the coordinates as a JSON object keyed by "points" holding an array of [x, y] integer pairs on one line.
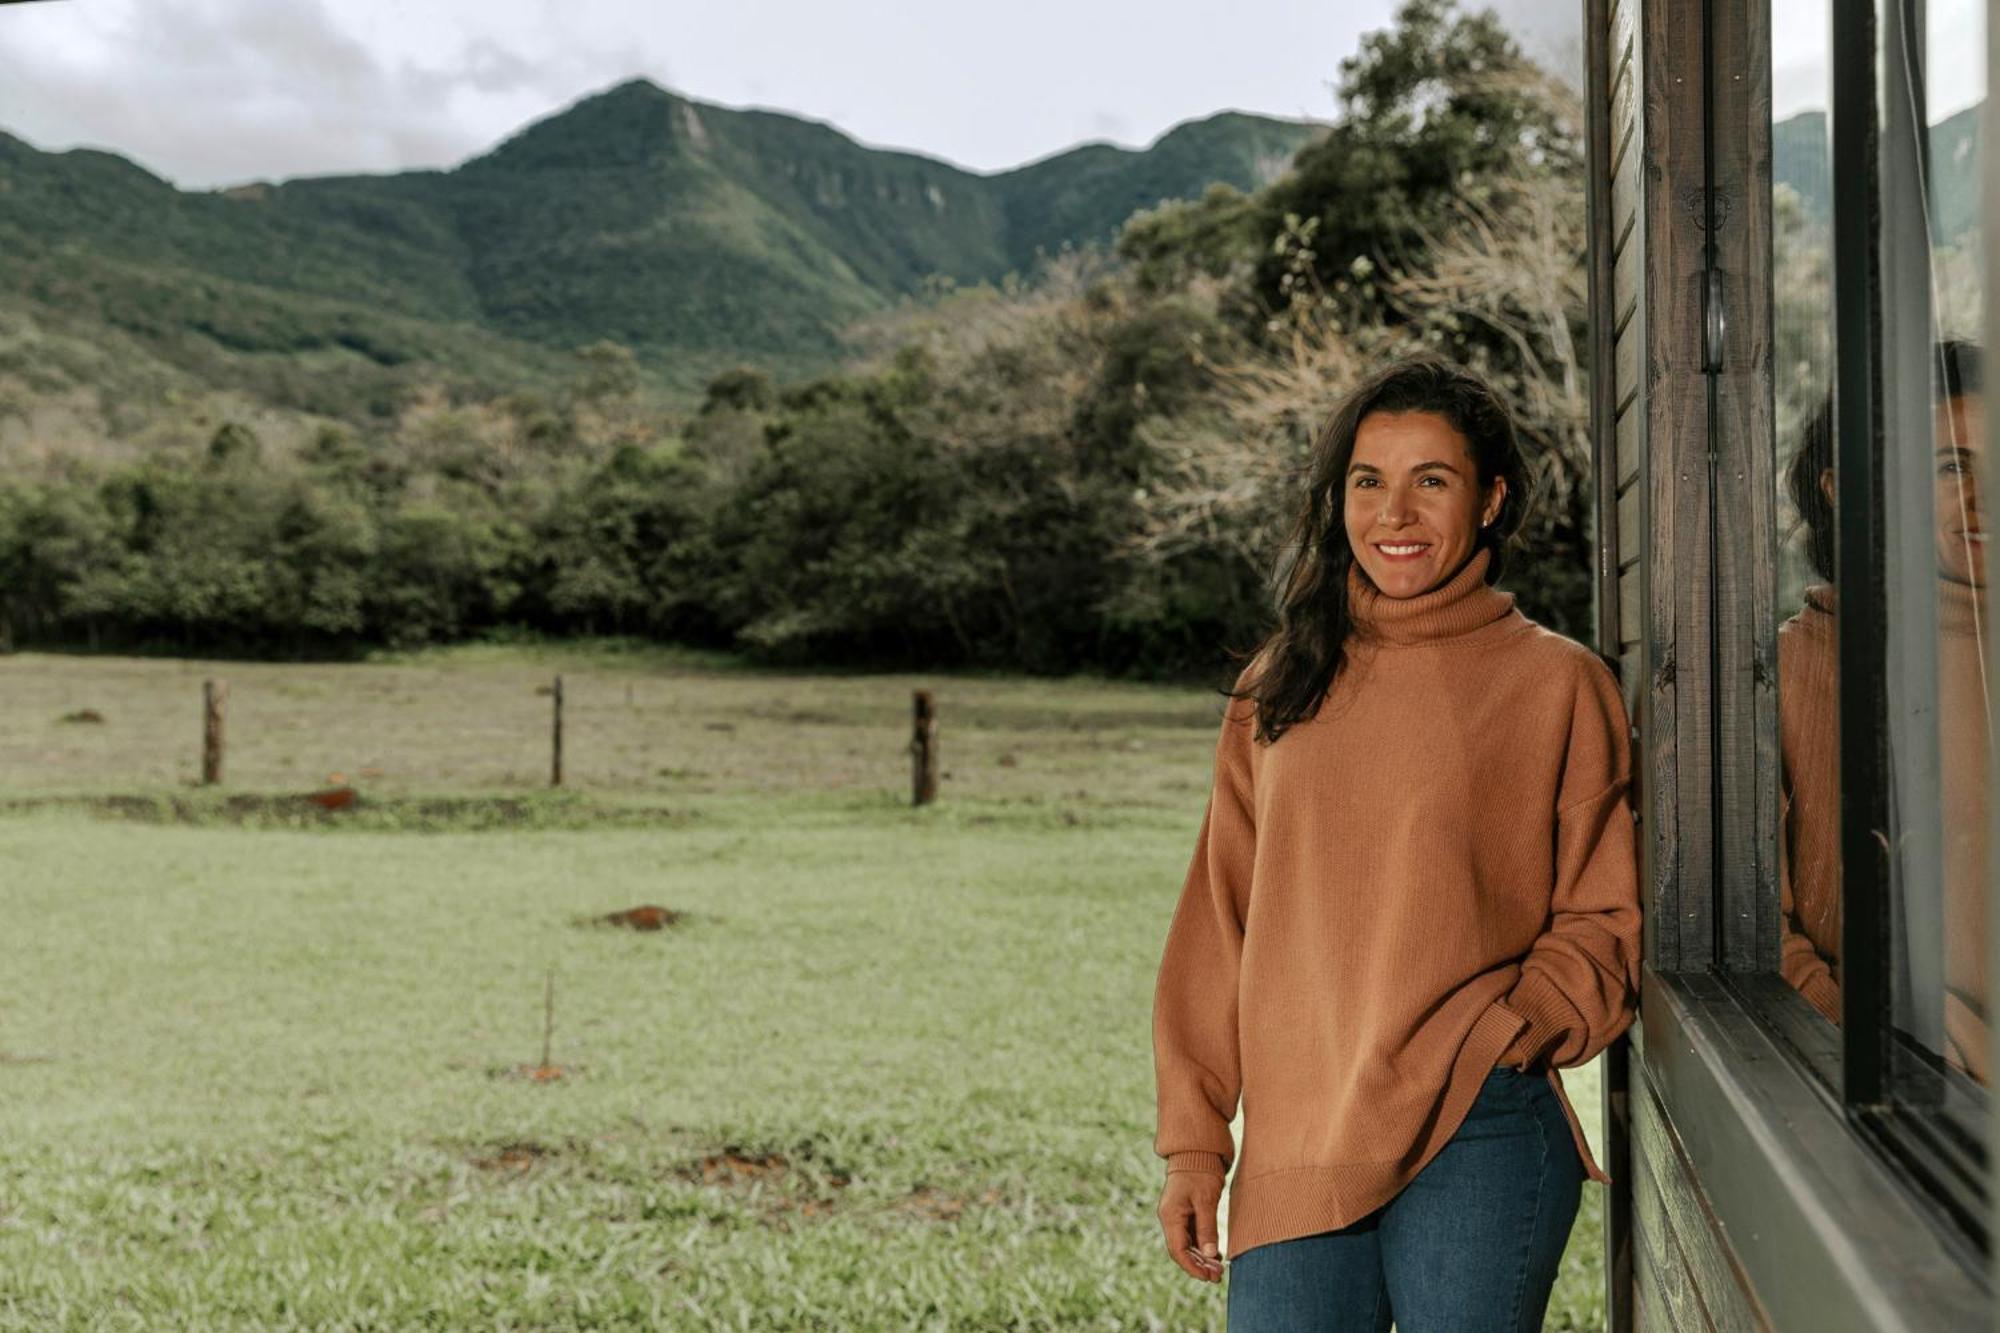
{"points": [[1360, 482]]}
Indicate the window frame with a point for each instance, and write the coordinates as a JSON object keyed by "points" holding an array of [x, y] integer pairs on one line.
{"points": [[1867, 1067], [1747, 1079]]}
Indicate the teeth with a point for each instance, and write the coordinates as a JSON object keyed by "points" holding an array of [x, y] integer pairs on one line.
{"points": [[1405, 550]]}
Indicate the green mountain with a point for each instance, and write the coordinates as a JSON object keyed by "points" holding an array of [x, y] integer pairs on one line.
{"points": [[698, 235], [1799, 151]]}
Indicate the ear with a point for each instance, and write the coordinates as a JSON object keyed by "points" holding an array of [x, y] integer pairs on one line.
{"points": [[1496, 498], [1826, 484]]}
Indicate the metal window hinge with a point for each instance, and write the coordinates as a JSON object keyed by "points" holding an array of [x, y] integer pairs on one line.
{"points": [[1714, 323]]}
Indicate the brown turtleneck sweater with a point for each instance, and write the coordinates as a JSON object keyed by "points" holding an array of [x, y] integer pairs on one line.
{"points": [[1809, 861], [1809, 802], [1434, 875]]}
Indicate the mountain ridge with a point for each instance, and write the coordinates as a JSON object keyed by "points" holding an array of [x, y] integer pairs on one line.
{"points": [[699, 235]]}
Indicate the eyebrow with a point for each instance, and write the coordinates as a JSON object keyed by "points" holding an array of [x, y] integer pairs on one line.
{"points": [[1957, 451], [1419, 467]]}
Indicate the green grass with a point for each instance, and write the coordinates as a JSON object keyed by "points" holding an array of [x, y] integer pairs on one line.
{"points": [[892, 1070]]}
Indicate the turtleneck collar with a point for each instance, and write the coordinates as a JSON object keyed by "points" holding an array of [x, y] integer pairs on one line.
{"points": [[1959, 607], [1463, 603]]}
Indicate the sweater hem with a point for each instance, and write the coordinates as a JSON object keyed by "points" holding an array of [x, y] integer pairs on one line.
{"points": [[1285, 1202], [1591, 1170]]}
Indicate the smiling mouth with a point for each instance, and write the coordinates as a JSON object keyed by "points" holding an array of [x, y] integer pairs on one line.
{"points": [[1402, 550]]}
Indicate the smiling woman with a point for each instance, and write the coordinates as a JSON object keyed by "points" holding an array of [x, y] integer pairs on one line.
{"points": [[1421, 454], [1411, 493], [1414, 897]]}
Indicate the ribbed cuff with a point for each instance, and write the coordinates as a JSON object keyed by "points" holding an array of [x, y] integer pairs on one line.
{"points": [[1550, 1015], [1212, 1162], [1822, 992]]}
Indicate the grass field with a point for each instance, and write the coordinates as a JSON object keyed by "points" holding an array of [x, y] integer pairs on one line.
{"points": [[892, 1069]]}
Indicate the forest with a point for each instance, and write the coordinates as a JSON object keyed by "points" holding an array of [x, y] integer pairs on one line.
{"points": [[1084, 465]]}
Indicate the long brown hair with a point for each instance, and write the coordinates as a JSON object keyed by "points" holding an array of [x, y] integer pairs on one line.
{"points": [[1298, 659]]}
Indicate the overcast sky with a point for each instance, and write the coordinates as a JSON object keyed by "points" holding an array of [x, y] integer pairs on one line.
{"points": [[215, 92], [1954, 58]]}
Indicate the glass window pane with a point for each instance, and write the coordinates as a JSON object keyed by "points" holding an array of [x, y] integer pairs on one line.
{"points": [[1802, 364], [1934, 456], [1953, 80]]}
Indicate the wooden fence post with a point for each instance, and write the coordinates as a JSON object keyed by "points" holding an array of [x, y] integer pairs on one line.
{"points": [[555, 759], [924, 750], [214, 698], [548, 1013]]}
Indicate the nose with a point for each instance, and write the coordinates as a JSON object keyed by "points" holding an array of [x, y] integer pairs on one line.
{"points": [[1393, 508]]}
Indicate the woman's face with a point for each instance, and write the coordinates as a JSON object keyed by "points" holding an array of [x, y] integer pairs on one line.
{"points": [[1960, 459], [1413, 501]]}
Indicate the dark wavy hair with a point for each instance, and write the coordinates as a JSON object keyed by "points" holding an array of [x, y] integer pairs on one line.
{"points": [[1956, 362], [1298, 659]]}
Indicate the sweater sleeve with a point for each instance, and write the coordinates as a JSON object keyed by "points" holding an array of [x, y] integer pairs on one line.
{"points": [[1579, 981], [1195, 1056], [1799, 960]]}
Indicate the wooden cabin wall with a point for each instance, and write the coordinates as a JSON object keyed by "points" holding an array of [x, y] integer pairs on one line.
{"points": [[1622, 335], [1743, 1195], [1612, 160], [1665, 588]]}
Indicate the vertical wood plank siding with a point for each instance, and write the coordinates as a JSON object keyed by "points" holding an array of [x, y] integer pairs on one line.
{"points": [[1746, 685]]}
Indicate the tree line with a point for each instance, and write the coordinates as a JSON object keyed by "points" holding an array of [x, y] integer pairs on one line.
{"points": [[1084, 468]]}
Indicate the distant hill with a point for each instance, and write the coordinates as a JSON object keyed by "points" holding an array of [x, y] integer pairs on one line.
{"points": [[699, 235], [1799, 159]]}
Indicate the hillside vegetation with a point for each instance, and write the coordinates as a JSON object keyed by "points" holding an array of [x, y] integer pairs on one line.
{"points": [[1084, 468], [697, 235]]}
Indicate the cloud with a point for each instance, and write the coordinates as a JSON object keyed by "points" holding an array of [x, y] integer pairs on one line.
{"points": [[211, 92], [215, 92]]}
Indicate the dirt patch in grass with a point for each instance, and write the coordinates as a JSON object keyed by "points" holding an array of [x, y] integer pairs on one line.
{"points": [[784, 1185], [518, 1157], [533, 1073], [346, 809], [941, 1205], [734, 1164], [646, 917], [1036, 818]]}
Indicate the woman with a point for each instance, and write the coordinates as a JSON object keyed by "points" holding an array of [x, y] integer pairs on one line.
{"points": [[1414, 895], [1809, 717]]}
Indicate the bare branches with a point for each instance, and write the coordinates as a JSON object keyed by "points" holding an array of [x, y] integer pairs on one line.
{"points": [[1501, 284]]}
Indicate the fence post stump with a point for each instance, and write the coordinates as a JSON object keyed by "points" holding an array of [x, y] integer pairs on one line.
{"points": [[924, 750], [214, 699], [556, 755]]}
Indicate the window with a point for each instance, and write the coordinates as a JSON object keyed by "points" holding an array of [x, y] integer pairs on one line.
{"points": [[1885, 639]]}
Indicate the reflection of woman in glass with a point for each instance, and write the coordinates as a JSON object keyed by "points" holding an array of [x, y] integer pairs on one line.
{"points": [[1808, 702], [1809, 740], [1965, 730]]}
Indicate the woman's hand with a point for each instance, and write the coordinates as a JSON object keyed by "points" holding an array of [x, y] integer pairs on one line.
{"points": [[1187, 1212]]}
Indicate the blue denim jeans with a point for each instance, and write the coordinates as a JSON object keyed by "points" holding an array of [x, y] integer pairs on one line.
{"points": [[1471, 1245]]}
